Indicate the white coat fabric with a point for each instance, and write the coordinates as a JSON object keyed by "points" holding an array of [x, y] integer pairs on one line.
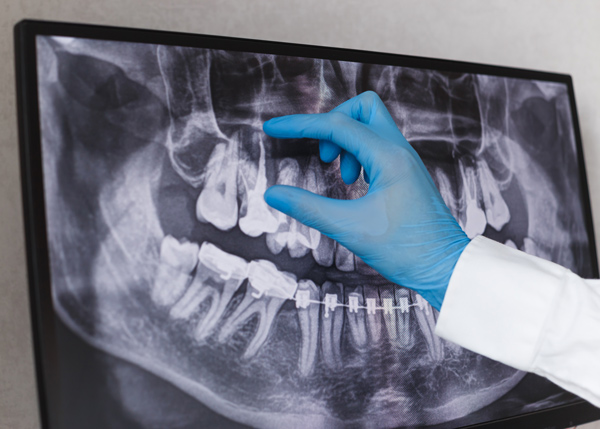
{"points": [[526, 312]]}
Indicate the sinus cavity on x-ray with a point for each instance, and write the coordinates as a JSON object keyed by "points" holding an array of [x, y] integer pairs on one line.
{"points": [[164, 254]]}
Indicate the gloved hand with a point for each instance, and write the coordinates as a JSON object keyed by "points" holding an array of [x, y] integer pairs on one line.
{"points": [[402, 228]]}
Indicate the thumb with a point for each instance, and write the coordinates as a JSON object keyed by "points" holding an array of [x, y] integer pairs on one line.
{"points": [[315, 211]]}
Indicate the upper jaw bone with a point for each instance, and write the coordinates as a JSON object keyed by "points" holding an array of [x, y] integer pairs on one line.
{"points": [[259, 217], [268, 289], [193, 123], [217, 203], [218, 277], [177, 261]]}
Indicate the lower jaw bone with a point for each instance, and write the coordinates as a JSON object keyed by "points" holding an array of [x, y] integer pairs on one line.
{"points": [[356, 318], [426, 318], [332, 322], [177, 261], [217, 203], [308, 317], [268, 289], [405, 339], [218, 277]]}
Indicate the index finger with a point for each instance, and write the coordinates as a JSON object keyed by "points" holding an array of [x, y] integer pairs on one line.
{"points": [[335, 127]]}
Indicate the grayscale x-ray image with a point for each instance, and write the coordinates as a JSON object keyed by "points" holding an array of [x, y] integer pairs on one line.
{"points": [[165, 257]]}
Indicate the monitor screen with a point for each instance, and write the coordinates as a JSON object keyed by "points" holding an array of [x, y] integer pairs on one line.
{"points": [[180, 299]]}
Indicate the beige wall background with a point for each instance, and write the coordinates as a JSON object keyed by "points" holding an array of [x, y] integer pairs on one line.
{"points": [[552, 35]]}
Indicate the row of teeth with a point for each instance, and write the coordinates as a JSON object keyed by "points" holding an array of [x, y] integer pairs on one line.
{"points": [[233, 195], [303, 300], [190, 275]]}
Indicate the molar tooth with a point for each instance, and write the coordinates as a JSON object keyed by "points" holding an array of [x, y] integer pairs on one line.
{"points": [[177, 261], [259, 217], [374, 321], [218, 277], [405, 336], [356, 318], [268, 289], [308, 317], [344, 259], [217, 203], [473, 220], [332, 322], [290, 232], [496, 210], [426, 317]]}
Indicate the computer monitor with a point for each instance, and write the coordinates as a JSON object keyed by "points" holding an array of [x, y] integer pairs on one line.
{"points": [[165, 293]]}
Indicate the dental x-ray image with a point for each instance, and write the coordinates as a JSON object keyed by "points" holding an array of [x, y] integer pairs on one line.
{"points": [[166, 261]]}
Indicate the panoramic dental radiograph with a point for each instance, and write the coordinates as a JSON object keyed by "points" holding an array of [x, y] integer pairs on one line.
{"points": [[165, 256]]}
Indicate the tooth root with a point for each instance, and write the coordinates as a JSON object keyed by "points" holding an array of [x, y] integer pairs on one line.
{"points": [[266, 308], [217, 203], [332, 322], [313, 182], [405, 337], [356, 318], [267, 316], [496, 209], [177, 261], [308, 317], [373, 318], [325, 251], [259, 217], [267, 291], [426, 318], [191, 299], [344, 259], [386, 294], [218, 277], [245, 310], [473, 221], [446, 192]]}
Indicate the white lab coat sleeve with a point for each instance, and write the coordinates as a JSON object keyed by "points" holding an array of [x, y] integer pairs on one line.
{"points": [[526, 312]]}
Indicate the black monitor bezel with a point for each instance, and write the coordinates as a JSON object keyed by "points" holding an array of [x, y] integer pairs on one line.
{"points": [[43, 317]]}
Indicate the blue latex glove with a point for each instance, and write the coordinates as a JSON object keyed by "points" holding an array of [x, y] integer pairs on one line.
{"points": [[402, 228]]}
